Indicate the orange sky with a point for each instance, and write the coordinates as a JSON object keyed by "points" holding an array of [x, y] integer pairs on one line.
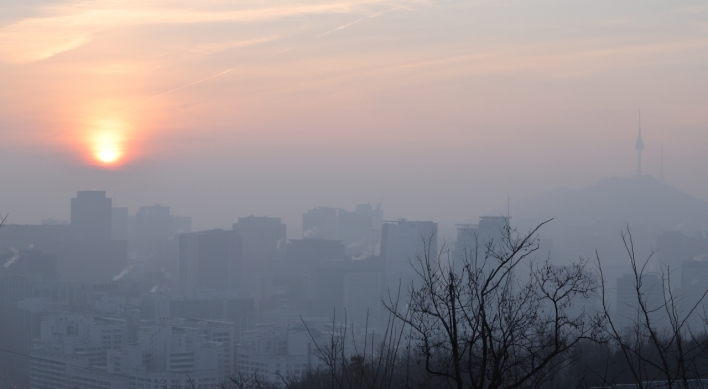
{"points": [[441, 108]]}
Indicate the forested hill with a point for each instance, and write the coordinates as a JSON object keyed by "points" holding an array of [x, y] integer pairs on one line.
{"points": [[617, 201], [591, 218]]}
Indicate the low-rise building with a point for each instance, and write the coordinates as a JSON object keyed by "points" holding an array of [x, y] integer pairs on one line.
{"points": [[276, 354], [76, 351]]}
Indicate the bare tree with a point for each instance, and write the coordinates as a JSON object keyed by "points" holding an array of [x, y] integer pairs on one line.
{"points": [[481, 326], [371, 365], [657, 344]]}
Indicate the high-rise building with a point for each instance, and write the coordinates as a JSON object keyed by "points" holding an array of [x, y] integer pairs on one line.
{"points": [[403, 244], [348, 287], [628, 311], [320, 223], [91, 214], [305, 255], [210, 260], [639, 146], [15, 336], [362, 294], [263, 236], [694, 283], [264, 248], [359, 230], [154, 222], [119, 223], [93, 261], [473, 239]]}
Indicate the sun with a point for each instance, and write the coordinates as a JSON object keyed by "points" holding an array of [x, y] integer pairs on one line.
{"points": [[107, 141], [107, 156]]}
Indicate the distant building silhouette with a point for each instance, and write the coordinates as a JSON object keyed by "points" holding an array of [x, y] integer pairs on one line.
{"points": [[94, 261], [627, 308], [306, 255], [271, 352], [694, 283], [264, 248], [359, 230], [210, 260], [402, 242], [119, 223], [154, 222], [351, 287], [80, 351], [91, 214], [320, 223], [472, 239], [240, 312], [639, 146], [362, 291]]}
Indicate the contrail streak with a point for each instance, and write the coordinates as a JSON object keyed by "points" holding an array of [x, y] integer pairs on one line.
{"points": [[183, 86], [349, 24], [243, 64], [340, 27], [204, 79]]}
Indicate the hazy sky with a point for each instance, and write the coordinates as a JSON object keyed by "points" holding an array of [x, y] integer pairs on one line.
{"points": [[439, 109]]}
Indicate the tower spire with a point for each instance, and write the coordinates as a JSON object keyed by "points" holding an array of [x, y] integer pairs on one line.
{"points": [[639, 146], [662, 163]]}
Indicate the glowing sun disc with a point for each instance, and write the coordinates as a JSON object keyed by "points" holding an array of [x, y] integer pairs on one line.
{"points": [[107, 156]]}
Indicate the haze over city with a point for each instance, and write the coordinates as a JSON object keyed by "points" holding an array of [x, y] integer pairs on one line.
{"points": [[440, 110], [353, 194]]}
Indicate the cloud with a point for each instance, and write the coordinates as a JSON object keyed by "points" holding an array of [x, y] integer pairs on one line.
{"points": [[211, 48], [67, 27]]}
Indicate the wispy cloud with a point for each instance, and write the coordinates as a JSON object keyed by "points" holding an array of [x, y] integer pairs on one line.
{"points": [[216, 47], [66, 27]]}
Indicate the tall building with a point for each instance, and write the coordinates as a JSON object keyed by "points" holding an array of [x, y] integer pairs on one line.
{"points": [[362, 292], [628, 310], [305, 255], [154, 222], [639, 146], [473, 239], [91, 214], [264, 248], [694, 283], [403, 243], [92, 261], [348, 286], [210, 260], [320, 223], [359, 230], [119, 223], [14, 338]]}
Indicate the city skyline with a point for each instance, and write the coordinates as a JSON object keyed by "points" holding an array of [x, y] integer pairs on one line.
{"points": [[224, 110], [353, 194]]}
